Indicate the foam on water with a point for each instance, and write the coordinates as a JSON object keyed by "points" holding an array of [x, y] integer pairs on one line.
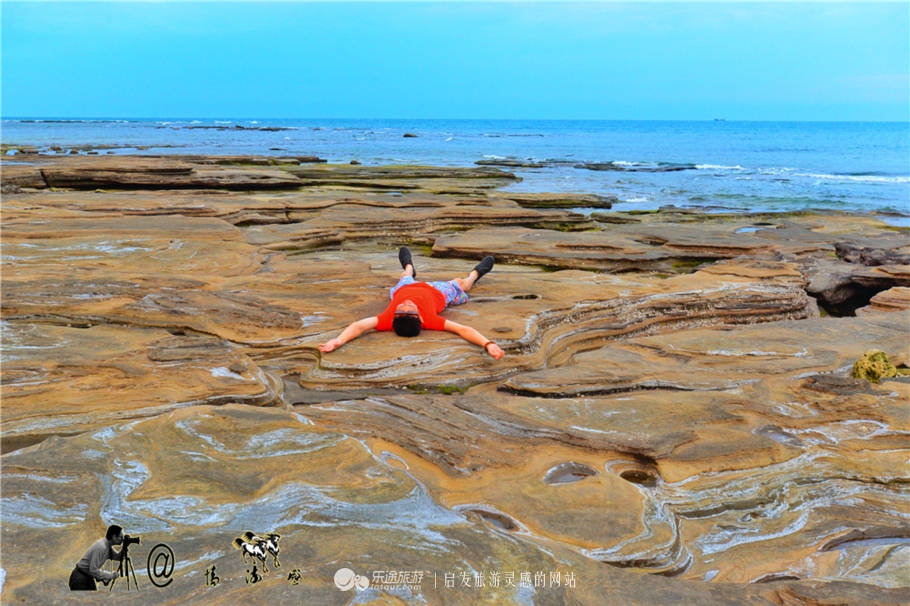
{"points": [[860, 178]]}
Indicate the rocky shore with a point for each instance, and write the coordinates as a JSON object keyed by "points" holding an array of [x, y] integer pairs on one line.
{"points": [[675, 420]]}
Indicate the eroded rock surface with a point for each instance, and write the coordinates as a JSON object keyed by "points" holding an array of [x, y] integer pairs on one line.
{"points": [[674, 421]]}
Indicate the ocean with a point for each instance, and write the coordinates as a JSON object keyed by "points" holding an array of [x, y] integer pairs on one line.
{"points": [[716, 166]]}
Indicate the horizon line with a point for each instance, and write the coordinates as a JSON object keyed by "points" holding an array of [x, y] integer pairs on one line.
{"points": [[256, 119]]}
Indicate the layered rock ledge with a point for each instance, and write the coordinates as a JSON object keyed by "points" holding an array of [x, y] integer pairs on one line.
{"points": [[674, 420]]}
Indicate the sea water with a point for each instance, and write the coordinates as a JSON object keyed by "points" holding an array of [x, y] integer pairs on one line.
{"points": [[718, 165]]}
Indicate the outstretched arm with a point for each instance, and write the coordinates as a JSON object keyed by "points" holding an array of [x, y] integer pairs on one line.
{"points": [[472, 336], [351, 332]]}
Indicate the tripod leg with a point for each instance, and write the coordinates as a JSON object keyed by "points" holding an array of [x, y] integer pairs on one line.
{"points": [[119, 571], [127, 564], [133, 572]]}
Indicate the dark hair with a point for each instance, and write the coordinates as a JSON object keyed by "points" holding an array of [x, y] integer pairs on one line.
{"points": [[406, 326], [113, 530]]}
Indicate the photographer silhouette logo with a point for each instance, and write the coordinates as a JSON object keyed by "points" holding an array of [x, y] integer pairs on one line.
{"points": [[346, 579]]}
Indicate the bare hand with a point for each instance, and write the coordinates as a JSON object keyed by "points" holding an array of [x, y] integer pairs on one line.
{"points": [[331, 345], [495, 351]]}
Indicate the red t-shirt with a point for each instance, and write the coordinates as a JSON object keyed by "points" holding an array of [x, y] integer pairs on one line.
{"points": [[428, 300]]}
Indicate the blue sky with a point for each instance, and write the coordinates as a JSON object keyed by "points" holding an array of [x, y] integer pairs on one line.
{"points": [[771, 61]]}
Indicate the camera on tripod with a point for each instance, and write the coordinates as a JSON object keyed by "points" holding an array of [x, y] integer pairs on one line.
{"points": [[126, 562], [128, 540]]}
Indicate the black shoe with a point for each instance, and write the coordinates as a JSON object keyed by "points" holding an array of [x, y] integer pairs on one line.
{"points": [[484, 267], [404, 255]]}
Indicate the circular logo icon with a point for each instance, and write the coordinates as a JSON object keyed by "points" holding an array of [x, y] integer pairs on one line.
{"points": [[161, 565], [346, 579]]}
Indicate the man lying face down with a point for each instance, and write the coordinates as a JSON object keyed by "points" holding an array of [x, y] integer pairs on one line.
{"points": [[416, 305]]}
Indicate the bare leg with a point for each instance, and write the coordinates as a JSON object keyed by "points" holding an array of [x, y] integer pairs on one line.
{"points": [[408, 271], [467, 283]]}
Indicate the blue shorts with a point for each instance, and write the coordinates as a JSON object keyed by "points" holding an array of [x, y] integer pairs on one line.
{"points": [[450, 290]]}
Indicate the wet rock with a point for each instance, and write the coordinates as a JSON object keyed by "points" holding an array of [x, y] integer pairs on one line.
{"points": [[547, 200], [838, 385], [871, 256], [776, 578], [342, 172], [252, 161], [565, 473], [511, 163], [615, 250], [126, 172], [851, 593], [615, 218], [197, 478], [161, 370], [434, 179], [86, 379], [779, 435], [642, 478], [673, 209]]}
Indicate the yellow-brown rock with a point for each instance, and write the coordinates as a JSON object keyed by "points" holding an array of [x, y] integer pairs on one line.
{"points": [[675, 421], [893, 299]]}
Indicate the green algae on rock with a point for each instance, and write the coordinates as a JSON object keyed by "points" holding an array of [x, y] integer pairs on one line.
{"points": [[874, 366]]}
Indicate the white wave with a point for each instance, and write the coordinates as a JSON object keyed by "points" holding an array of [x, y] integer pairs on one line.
{"points": [[777, 171], [859, 178], [494, 157], [223, 122], [718, 167], [639, 199], [624, 163]]}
